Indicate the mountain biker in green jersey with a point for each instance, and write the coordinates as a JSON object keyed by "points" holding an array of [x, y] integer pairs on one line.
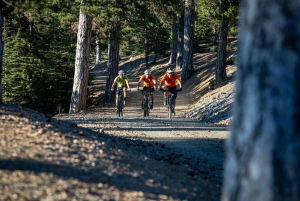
{"points": [[122, 83]]}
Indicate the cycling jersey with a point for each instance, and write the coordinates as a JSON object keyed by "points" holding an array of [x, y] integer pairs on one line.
{"points": [[148, 82], [121, 82], [170, 81]]}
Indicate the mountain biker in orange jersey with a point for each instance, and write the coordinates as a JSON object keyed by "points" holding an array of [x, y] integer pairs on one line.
{"points": [[149, 82], [122, 83], [170, 79]]}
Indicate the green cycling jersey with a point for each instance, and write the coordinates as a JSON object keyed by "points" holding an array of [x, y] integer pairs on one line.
{"points": [[121, 82]]}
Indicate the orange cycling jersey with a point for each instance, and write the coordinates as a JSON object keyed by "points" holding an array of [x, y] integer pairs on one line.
{"points": [[170, 81], [148, 82]]}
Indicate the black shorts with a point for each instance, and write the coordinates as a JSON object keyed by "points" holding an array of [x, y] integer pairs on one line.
{"points": [[174, 91], [151, 89]]}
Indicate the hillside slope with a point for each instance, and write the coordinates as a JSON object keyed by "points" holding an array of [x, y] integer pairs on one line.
{"points": [[201, 101]]}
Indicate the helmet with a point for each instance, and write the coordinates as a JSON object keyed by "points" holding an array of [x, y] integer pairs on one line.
{"points": [[147, 72], [170, 70], [121, 72]]}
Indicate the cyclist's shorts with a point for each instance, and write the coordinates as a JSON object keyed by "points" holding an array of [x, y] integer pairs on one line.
{"points": [[123, 87], [174, 91], [151, 89]]}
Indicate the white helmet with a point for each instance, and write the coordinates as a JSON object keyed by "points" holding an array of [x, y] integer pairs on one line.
{"points": [[170, 70], [121, 72], [147, 72]]}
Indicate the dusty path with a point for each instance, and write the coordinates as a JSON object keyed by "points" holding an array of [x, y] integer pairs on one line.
{"points": [[185, 135], [110, 158], [202, 145]]}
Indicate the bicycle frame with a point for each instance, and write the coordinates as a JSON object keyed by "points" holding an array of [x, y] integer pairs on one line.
{"points": [[146, 102], [120, 102], [170, 104]]}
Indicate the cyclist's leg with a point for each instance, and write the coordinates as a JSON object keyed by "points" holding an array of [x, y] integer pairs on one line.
{"points": [[117, 98], [143, 93], [125, 92], [165, 96], [152, 93], [174, 98]]}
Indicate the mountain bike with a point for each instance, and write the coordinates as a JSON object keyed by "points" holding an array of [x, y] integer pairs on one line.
{"points": [[170, 103], [120, 102], [146, 102]]}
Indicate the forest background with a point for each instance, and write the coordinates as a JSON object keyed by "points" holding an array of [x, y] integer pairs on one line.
{"points": [[49, 46]]}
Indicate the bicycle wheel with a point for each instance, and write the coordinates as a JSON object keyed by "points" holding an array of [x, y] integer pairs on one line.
{"points": [[169, 107], [146, 109], [120, 108]]}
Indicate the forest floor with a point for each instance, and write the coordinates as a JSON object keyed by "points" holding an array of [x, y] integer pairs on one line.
{"points": [[95, 155]]}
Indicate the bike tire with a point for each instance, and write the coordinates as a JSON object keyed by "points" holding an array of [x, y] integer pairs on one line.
{"points": [[146, 107], [170, 106], [120, 109]]}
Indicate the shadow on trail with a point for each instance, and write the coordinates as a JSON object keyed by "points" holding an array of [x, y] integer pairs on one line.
{"points": [[115, 171]]}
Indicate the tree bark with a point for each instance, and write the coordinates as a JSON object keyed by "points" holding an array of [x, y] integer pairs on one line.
{"points": [[98, 53], [222, 45], [79, 93], [263, 149], [180, 42], [1, 50], [174, 41], [146, 45], [187, 62], [113, 61], [146, 51]]}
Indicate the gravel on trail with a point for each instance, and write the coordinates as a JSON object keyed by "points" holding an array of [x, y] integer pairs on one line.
{"points": [[43, 158], [94, 155]]}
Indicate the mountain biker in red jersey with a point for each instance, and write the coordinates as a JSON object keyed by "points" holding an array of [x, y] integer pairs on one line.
{"points": [[170, 79], [149, 82]]}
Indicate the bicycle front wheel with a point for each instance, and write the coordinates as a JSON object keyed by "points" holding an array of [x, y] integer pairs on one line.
{"points": [[170, 105], [169, 113], [120, 108]]}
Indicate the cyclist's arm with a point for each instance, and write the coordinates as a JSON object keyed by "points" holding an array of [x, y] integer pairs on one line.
{"points": [[162, 81], [155, 83], [113, 85], [127, 84], [138, 85], [179, 83]]}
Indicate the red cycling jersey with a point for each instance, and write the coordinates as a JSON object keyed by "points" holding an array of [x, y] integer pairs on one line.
{"points": [[148, 82], [170, 81]]}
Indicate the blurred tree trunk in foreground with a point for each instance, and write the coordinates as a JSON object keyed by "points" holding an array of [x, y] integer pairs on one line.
{"points": [[263, 150], [1, 50]]}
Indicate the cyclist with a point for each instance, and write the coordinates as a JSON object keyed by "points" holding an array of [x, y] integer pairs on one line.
{"points": [[169, 80], [149, 82], [122, 83]]}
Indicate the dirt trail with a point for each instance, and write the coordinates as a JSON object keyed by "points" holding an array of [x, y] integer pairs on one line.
{"points": [[104, 157], [199, 142]]}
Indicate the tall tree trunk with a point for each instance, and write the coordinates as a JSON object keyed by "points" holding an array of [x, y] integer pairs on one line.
{"points": [[147, 51], [222, 45], [180, 42], [79, 93], [1, 50], [146, 45], [98, 52], [174, 41], [187, 63], [263, 149], [113, 61]]}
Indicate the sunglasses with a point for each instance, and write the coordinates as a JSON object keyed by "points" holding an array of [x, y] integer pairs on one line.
{"points": [[170, 73]]}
